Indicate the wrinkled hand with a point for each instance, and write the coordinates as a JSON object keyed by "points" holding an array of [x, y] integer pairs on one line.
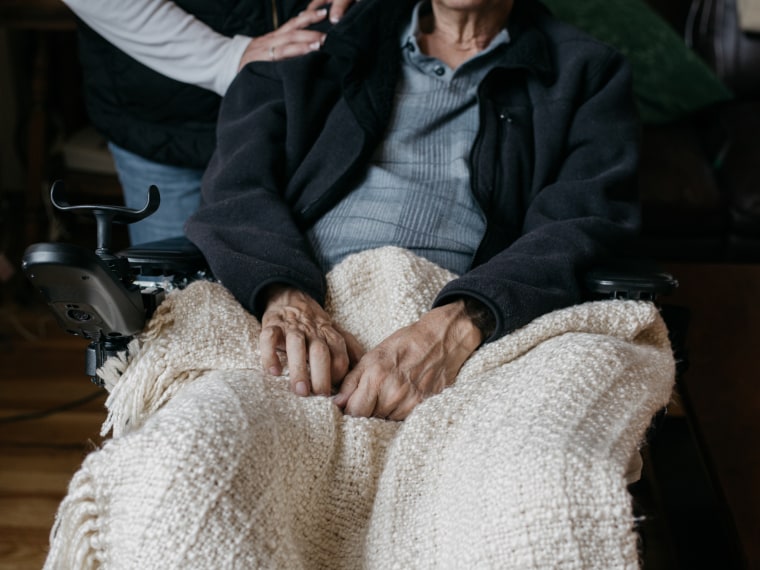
{"points": [[337, 9], [413, 363], [319, 353], [289, 40]]}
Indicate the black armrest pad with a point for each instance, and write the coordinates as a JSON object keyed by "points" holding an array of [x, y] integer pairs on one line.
{"points": [[629, 279], [168, 256]]}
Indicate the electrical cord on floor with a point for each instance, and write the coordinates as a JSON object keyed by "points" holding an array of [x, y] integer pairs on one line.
{"points": [[52, 411]]}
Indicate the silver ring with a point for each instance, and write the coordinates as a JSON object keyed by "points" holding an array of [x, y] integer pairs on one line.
{"points": [[271, 53]]}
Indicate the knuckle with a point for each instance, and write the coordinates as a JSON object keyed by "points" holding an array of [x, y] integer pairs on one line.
{"points": [[319, 349], [340, 362], [375, 372], [295, 334], [269, 333]]}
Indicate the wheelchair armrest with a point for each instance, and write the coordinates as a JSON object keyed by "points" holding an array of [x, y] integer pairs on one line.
{"points": [[644, 279], [173, 256], [641, 279]]}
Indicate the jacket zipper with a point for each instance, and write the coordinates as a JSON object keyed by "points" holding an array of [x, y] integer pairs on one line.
{"points": [[504, 119]]}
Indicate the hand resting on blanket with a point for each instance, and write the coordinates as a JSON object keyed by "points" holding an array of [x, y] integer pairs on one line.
{"points": [[388, 381], [319, 353]]}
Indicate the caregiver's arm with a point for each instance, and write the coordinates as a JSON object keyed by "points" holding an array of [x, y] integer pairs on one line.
{"points": [[164, 37]]}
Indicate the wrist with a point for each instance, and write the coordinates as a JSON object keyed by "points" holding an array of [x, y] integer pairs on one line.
{"points": [[457, 329], [282, 294], [480, 316]]}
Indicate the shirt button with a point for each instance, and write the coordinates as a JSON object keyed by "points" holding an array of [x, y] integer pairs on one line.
{"points": [[439, 70]]}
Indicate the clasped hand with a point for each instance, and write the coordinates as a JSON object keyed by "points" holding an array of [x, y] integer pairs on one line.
{"points": [[388, 381]]}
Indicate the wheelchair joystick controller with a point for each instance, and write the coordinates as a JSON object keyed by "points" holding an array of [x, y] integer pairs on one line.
{"points": [[94, 294]]}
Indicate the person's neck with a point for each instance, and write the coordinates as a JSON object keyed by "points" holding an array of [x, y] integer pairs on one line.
{"points": [[454, 36]]}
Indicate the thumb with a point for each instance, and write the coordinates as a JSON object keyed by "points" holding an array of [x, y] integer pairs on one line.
{"points": [[347, 388]]}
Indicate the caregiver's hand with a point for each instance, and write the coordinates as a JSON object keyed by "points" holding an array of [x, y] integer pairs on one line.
{"points": [[414, 362], [337, 7], [289, 40], [318, 352]]}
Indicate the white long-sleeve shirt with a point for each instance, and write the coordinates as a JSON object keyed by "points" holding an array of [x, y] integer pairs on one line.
{"points": [[162, 36]]}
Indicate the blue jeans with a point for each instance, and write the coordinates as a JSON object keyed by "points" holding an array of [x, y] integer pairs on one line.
{"points": [[180, 190]]}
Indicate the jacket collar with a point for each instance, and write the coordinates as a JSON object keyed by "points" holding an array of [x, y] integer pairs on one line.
{"points": [[366, 54], [529, 49], [370, 25]]}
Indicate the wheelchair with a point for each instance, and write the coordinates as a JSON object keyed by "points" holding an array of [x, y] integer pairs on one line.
{"points": [[107, 297]]}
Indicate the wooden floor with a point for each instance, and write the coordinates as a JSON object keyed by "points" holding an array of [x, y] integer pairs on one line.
{"points": [[42, 442], [40, 370]]}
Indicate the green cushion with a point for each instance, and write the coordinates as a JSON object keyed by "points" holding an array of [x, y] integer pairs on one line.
{"points": [[669, 80]]}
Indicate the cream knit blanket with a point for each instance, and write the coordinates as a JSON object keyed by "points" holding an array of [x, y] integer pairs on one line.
{"points": [[214, 464]]}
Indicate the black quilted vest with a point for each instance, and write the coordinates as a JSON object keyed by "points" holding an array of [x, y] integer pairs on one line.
{"points": [[155, 117]]}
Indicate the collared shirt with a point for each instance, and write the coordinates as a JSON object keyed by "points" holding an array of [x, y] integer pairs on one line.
{"points": [[416, 192]]}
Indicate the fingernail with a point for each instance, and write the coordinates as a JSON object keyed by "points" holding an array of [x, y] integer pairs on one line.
{"points": [[334, 19], [302, 389], [315, 46], [322, 11]]}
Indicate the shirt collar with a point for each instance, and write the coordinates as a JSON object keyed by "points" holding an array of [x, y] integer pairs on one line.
{"points": [[412, 30]]}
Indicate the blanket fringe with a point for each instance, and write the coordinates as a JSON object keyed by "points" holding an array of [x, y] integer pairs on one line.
{"points": [[114, 367], [75, 536], [129, 405], [150, 382]]}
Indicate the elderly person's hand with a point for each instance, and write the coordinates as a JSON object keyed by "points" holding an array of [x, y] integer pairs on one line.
{"points": [[319, 353], [289, 40], [413, 363]]}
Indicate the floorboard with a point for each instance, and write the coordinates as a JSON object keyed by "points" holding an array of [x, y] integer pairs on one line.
{"points": [[43, 437]]}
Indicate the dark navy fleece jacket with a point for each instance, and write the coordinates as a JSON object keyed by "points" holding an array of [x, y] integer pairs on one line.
{"points": [[553, 166]]}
